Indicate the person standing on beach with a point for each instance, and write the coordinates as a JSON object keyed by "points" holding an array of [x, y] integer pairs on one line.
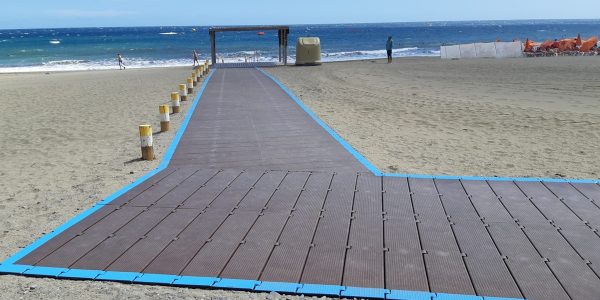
{"points": [[195, 57], [120, 60], [389, 45]]}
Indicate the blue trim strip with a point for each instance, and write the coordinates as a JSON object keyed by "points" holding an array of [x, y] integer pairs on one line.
{"points": [[356, 292], [409, 295], [280, 287], [443, 296], [377, 172], [8, 266], [237, 284], [194, 281], [321, 289], [118, 276]]}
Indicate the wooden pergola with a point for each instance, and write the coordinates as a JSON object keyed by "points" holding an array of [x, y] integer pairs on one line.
{"points": [[282, 34]]}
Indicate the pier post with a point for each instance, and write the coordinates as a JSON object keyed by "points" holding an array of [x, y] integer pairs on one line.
{"points": [[183, 92], [175, 102], [164, 117], [146, 142], [195, 78]]}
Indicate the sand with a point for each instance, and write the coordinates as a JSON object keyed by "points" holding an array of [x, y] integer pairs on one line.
{"points": [[530, 117], [68, 140]]}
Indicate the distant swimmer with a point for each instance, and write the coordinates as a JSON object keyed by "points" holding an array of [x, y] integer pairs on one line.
{"points": [[120, 60], [389, 45], [195, 57]]}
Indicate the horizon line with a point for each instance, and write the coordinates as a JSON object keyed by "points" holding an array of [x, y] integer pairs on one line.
{"points": [[313, 24]]}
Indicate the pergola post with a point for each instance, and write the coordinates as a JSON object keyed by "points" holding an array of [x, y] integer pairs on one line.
{"points": [[213, 48], [279, 44], [285, 45], [282, 35]]}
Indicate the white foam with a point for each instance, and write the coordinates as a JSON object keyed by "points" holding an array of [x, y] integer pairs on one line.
{"points": [[85, 65], [237, 57], [169, 33]]}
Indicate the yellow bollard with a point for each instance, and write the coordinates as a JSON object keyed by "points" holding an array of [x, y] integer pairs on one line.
{"points": [[183, 92], [175, 102], [146, 142], [195, 78], [164, 117], [190, 85], [199, 73]]}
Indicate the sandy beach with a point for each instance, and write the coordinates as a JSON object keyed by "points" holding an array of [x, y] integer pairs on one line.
{"points": [[70, 139], [482, 117]]}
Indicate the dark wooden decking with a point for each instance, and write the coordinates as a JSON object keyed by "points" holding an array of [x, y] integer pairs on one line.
{"points": [[257, 190]]}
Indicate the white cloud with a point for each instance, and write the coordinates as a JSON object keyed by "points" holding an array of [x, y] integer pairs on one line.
{"points": [[89, 13]]}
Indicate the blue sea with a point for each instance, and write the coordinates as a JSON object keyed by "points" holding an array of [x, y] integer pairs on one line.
{"points": [[58, 49]]}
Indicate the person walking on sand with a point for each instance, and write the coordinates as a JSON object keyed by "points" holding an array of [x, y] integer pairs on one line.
{"points": [[195, 57], [389, 45], [120, 60]]}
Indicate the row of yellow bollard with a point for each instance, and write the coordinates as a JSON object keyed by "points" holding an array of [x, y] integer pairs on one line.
{"points": [[163, 109]]}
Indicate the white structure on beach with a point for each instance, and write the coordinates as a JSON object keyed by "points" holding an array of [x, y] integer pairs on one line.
{"points": [[483, 50]]}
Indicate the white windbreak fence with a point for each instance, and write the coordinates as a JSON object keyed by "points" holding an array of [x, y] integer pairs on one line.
{"points": [[483, 50]]}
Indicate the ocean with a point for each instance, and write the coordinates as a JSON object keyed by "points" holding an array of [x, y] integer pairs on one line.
{"points": [[59, 49]]}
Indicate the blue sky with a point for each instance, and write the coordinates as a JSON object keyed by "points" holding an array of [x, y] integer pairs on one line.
{"points": [[91, 13]]}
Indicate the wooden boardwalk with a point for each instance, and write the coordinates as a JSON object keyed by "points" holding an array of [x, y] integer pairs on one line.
{"points": [[257, 190]]}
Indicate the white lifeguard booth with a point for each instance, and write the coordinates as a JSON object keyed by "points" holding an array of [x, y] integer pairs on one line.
{"points": [[308, 51]]}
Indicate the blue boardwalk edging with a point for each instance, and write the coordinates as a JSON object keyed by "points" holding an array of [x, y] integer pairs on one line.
{"points": [[377, 172], [8, 266], [236, 284]]}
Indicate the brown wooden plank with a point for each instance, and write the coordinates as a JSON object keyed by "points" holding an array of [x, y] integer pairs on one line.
{"points": [[437, 236], [140, 188], [80, 245], [232, 195], [517, 203], [454, 198], [583, 207], [140, 255], [161, 188], [325, 261], [491, 276], [287, 193], [405, 270], [548, 203], [589, 190], [181, 193], [486, 267], [535, 279], [586, 242], [447, 273], [250, 258], [397, 202], [58, 241], [214, 255], [181, 250], [487, 204], [115, 245], [212, 189]]}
